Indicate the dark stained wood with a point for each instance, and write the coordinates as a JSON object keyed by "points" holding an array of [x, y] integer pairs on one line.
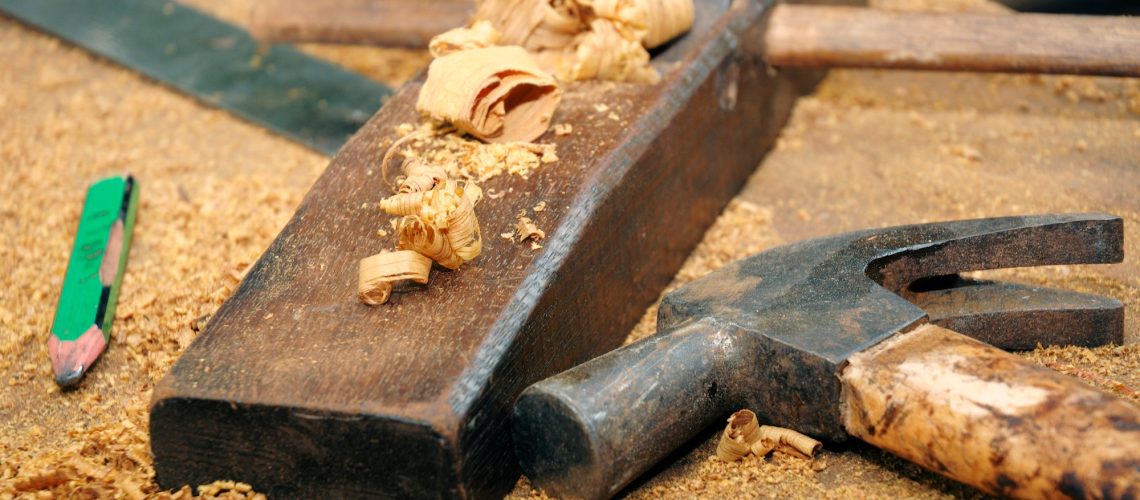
{"points": [[990, 419], [300, 390], [834, 36], [405, 23]]}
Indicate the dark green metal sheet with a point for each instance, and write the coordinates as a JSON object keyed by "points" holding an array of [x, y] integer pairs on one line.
{"points": [[308, 100]]}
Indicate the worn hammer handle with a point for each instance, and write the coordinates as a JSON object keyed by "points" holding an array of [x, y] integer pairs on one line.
{"points": [[991, 419], [590, 430]]}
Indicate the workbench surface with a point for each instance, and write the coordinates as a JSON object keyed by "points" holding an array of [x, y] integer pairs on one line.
{"points": [[869, 148]]}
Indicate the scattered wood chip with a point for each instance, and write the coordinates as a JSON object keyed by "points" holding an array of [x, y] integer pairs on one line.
{"points": [[563, 129], [526, 229], [465, 158], [540, 207]]}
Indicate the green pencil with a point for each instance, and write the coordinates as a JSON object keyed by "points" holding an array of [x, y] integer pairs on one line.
{"points": [[82, 326]]}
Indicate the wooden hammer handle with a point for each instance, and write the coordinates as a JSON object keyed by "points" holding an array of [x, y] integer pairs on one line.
{"points": [[835, 36], [404, 23], [991, 419]]}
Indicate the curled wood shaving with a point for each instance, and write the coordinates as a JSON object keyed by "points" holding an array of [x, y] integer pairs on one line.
{"points": [[463, 228], [526, 229], [799, 442], [439, 223], [667, 19], [380, 271], [421, 177], [742, 430], [429, 240], [604, 52], [762, 447], [497, 94], [744, 435], [583, 39], [478, 35]]}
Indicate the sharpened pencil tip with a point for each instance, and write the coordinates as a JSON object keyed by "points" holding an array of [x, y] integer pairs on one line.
{"points": [[71, 359], [69, 379]]}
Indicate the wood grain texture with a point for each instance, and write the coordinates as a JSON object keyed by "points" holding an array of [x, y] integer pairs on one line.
{"points": [[300, 390], [403, 23], [990, 419], [830, 36]]}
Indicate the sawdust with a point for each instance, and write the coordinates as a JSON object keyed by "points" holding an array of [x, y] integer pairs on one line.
{"points": [[463, 157], [216, 190]]}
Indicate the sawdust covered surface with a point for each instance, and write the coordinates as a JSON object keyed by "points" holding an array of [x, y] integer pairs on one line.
{"points": [[214, 191], [869, 149]]}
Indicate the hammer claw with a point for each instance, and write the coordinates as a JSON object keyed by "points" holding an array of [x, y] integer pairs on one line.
{"points": [[1013, 316]]}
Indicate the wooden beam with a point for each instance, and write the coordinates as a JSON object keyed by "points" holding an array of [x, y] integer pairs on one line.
{"points": [[835, 36]]}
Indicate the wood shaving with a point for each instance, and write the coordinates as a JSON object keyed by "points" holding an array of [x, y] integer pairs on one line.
{"points": [[781, 435], [540, 207], [563, 129], [379, 272], [586, 39], [526, 229], [479, 35], [743, 436], [439, 223], [498, 94], [742, 430], [421, 177]]}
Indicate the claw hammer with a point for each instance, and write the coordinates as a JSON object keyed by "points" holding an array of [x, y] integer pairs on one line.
{"points": [[820, 336]]}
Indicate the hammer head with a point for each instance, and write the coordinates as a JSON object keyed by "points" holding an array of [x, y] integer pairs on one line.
{"points": [[799, 311]]}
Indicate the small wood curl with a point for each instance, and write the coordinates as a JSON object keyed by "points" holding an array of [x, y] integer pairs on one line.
{"points": [[426, 239], [742, 430], [463, 230], [800, 442], [421, 177], [380, 271]]}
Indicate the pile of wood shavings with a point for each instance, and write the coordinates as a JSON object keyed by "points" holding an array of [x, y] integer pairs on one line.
{"points": [[466, 158]]}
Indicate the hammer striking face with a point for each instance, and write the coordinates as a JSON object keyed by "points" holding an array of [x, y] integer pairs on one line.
{"points": [[820, 336]]}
